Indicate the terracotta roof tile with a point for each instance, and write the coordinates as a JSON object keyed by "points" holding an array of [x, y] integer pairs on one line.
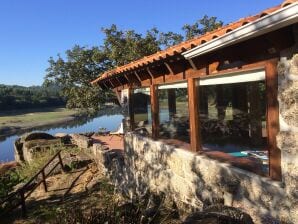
{"points": [[188, 44]]}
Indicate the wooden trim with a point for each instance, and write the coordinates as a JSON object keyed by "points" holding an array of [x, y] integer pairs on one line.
{"points": [[192, 64], [126, 76], [169, 67], [193, 105], [154, 111], [189, 73], [111, 83], [121, 84], [138, 77], [150, 73], [118, 95], [130, 109], [273, 119]]}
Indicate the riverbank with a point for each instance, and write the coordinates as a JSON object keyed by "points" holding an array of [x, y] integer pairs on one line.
{"points": [[13, 122]]}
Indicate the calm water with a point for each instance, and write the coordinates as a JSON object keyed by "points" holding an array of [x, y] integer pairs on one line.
{"points": [[110, 122]]}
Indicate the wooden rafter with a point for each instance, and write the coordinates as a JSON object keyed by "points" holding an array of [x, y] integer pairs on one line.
{"points": [[113, 86], [192, 64], [119, 81], [105, 85], [126, 76], [150, 73], [169, 67], [137, 75]]}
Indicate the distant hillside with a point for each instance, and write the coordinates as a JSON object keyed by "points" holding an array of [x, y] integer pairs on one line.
{"points": [[19, 97]]}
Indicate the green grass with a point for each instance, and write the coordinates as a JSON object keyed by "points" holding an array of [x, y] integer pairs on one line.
{"points": [[31, 118]]}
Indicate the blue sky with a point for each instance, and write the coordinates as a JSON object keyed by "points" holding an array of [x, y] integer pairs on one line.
{"points": [[33, 30]]}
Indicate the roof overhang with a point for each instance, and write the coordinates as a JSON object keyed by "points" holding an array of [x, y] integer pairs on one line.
{"points": [[281, 18]]}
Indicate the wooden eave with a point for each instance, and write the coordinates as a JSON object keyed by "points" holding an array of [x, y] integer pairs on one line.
{"points": [[162, 59]]}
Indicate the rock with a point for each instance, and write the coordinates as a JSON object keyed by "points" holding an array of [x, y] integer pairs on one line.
{"points": [[88, 134], [98, 147], [81, 141], [36, 135], [76, 162], [61, 135], [28, 187], [219, 214], [66, 139], [28, 145], [18, 151], [4, 167]]}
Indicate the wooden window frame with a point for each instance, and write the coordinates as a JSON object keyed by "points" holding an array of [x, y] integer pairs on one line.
{"points": [[272, 110], [272, 117]]}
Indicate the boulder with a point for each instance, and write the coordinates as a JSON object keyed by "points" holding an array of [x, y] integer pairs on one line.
{"points": [[66, 139], [81, 141], [219, 214], [28, 145], [35, 136]]}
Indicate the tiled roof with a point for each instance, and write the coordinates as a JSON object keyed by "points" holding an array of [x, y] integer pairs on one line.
{"points": [[189, 44]]}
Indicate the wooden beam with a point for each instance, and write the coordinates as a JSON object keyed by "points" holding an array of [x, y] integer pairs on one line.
{"points": [[118, 95], [154, 111], [150, 73], [111, 83], [130, 109], [273, 119], [119, 81], [192, 64], [169, 67], [193, 102], [138, 77], [105, 85], [126, 76]]}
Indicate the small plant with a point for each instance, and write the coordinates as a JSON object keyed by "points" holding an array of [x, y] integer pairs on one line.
{"points": [[8, 181]]}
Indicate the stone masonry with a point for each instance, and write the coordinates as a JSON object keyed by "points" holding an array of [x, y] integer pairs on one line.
{"points": [[197, 181]]}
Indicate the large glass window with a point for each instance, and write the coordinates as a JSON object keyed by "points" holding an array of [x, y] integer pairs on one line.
{"points": [[142, 111], [173, 112], [233, 121]]}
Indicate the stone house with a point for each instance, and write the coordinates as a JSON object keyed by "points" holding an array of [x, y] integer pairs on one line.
{"points": [[214, 119]]}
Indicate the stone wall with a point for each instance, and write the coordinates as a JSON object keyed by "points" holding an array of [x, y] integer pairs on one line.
{"points": [[287, 139], [196, 181]]}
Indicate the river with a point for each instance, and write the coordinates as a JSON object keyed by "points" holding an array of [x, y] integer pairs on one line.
{"points": [[80, 125]]}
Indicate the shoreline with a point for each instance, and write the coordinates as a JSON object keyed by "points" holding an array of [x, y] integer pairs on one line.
{"points": [[7, 131]]}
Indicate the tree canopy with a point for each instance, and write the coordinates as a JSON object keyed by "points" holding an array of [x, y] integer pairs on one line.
{"points": [[19, 97], [81, 65], [201, 26]]}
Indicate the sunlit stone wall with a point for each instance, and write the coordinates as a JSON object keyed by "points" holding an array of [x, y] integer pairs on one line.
{"points": [[287, 138], [195, 181]]}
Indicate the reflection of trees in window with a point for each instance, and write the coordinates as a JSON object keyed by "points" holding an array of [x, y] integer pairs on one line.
{"points": [[173, 112], [142, 110], [233, 114]]}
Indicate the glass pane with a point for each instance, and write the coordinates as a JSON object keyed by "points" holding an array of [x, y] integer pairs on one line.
{"points": [[142, 111], [173, 113], [233, 122]]}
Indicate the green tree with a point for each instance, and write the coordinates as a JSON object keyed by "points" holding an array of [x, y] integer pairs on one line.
{"points": [[169, 39], [122, 47], [201, 26], [74, 74]]}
